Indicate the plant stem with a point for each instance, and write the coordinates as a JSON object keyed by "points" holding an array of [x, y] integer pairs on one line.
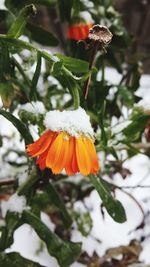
{"points": [[91, 64]]}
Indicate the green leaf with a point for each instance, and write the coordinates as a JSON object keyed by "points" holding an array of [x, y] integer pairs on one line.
{"points": [[73, 88], [65, 252], [4, 60], [126, 94], [57, 67], [19, 126], [42, 36], [7, 233], [14, 259], [136, 127], [19, 24], [26, 45], [113, 206], [73, 64], [36, 77], [58, 202], [76, 8]]}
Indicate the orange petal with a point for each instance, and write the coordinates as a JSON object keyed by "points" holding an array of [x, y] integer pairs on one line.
{"points": [[71, 151], [83, 32], [62, 157], [54, 150], [83, 159], [75, 167], [92, 153], [38, 142], [44, 145], [41, 161]]}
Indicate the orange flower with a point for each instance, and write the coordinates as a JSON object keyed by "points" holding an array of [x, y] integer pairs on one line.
{"points": [[79, 31], [65, 149]]}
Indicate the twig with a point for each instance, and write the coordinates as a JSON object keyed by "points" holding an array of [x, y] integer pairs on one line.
{"points": [[91, 64], [136, 146], [6, 182], [135, 186]]}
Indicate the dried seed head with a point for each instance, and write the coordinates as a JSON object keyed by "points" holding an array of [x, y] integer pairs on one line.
{"points": [[100, 33]]}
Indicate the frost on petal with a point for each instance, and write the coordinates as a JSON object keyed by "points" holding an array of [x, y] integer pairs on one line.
{"points": [[14, 204], [75, 122]]}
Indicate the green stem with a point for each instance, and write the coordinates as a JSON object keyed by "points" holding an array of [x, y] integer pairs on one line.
{"points": [[36, 77], [26, 45], [103, 72], [73, 87], [23, 189]]}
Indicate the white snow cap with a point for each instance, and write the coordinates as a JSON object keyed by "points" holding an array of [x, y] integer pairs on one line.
{"points": [[75, 122], [34, 107], [145, 105], [15, 204]]}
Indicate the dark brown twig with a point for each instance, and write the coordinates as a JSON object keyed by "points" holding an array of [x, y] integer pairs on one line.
{"points": [[91, 64]]}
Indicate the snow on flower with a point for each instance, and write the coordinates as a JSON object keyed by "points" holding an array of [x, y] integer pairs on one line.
{"points": [[34, 107], [75, 122], [145, 105], [66, 144], [14, 204]]}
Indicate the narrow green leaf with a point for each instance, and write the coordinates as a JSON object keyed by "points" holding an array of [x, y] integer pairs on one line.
{"points": [[57, 67], [113, 206], [136, 127], [4, 60], [36, 77], [19, 125], [18, 26], [65, 252], [73, 88], [58, 202], [73, 64], [14, 259], [26, 45], [7, 233]]}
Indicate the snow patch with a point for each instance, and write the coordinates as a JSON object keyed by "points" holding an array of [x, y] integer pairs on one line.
{"points": [[34, 107], [75, 122], [22, 178], [14, 204], [87, 3], [86, 16]]}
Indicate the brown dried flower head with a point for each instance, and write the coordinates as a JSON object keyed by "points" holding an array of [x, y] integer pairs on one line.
{"points": [[101, 34]]}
